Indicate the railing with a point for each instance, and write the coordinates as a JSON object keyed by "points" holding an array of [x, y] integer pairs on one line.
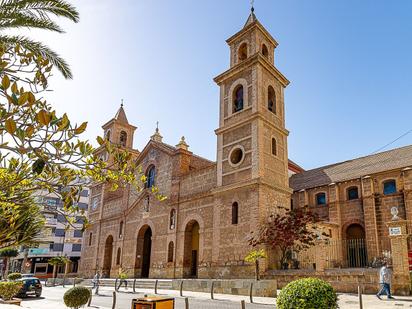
{"points": [[350, 253]]}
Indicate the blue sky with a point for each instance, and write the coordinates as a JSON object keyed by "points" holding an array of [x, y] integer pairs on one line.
{"points": [[349, 64]]}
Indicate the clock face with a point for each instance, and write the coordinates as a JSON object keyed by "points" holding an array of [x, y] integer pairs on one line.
{"points": [[95, 203]]}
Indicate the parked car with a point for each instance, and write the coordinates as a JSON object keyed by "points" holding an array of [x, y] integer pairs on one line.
{"points": [[31, 286]]}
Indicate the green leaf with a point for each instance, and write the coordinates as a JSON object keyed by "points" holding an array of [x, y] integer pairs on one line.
{"points": [[100, 140]]}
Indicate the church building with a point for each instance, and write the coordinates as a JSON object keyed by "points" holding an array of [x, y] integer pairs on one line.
{"points": [[201, 229]]}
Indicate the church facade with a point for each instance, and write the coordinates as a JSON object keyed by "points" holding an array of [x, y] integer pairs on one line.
{"points": [[201, 230]]}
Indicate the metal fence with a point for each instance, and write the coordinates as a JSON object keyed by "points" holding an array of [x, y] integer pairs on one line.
{"points": [[348, 253]]}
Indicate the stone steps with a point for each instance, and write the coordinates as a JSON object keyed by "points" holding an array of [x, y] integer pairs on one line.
{"points": [[140, 283]]}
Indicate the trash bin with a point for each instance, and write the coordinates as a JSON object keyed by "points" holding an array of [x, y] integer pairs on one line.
{"points": [[153, 303]]}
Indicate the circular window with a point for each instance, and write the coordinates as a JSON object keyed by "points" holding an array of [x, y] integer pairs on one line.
{"points": [[236, 156]]}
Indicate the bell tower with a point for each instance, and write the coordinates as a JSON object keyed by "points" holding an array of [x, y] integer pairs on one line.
{"points": [[118, 130], [252, 138]]}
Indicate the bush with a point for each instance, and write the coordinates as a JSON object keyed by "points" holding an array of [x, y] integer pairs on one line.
{"points": [[76, 297], [14, 276], [9, 289], [307, 293]]}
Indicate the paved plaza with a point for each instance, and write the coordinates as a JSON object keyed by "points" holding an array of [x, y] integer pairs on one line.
{"points": [[52, 298]]}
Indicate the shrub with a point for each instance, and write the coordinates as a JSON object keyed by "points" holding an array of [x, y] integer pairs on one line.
{"points": [[76, 297], [14, 276], [9, 289], [307, 293]]}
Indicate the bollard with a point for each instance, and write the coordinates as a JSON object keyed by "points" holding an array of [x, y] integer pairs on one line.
{"points": [[74, 282], [64, 281], [134, 285], [181, 288], [212, 296], [242, 304], [155, 288], [360, 297], [90, 297], [251, 293], [115, 285], [186, 303], [114, 300]]}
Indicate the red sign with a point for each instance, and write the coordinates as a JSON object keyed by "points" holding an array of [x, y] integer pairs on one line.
{"points": [[410, 260]]}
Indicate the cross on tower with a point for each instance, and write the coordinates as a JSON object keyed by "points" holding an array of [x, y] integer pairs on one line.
{"points": [[252, 4]]}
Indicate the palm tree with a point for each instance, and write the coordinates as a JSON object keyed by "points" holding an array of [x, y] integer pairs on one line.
{"points": [[36, 14], [56, 262]]}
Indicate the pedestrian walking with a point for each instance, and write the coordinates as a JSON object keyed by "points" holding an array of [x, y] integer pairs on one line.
{"points": [[122, 277], [385, 278], [96, 279]]}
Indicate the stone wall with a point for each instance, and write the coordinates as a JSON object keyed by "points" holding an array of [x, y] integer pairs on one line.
{"points": [[262, 288], [342, 280]]}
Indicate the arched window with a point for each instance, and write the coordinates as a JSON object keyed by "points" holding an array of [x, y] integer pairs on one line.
{"points": [[150, 177], [321, 199], [274, 147], [389, 187], [172, 222], [242, 52], [170, 250], [90, 239], [235, 213], [119, 252], [265, 51], [238, 99], [271, 99], [123, 138], [353, 193], [121, 229], [108, 135]]}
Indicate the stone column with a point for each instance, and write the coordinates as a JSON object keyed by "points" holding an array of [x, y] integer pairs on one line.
{"points": [[369, 210], [320, 258], [399, 251]]}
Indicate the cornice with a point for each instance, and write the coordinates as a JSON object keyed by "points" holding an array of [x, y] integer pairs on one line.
{"points": [[250, 28], [246, 64], [255, 115]]}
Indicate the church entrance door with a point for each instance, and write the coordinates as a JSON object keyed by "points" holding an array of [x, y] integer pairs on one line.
{"points": [[107, 261], [144, 251], [191, 250], [356, 246]]}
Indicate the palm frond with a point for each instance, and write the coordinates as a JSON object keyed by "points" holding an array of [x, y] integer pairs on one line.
{"points": [[38, 48], [59, 8], [20, 20]]}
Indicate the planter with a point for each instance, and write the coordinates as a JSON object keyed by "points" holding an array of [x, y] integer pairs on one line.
{"points": [[14, 301]]}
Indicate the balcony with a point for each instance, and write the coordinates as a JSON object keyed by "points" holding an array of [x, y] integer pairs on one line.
{"points": [[51, 222]]}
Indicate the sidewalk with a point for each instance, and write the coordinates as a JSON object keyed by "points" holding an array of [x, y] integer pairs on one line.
{"points": [[53, 299]]}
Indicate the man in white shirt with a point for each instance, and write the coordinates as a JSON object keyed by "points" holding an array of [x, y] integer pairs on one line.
{"points": [[385, 277]]}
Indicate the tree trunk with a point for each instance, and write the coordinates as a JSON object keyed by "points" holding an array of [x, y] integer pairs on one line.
{"points": [[6, 272], [25, 260]]}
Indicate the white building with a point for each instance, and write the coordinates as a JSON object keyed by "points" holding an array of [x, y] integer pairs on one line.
{"points": [[58, 238]]}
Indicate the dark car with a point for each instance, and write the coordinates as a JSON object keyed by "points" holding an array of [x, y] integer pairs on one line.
{"points": [[31, 286]]}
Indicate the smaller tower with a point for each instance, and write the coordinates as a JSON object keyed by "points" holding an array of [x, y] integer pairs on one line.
{"points": [[118, 130]]}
